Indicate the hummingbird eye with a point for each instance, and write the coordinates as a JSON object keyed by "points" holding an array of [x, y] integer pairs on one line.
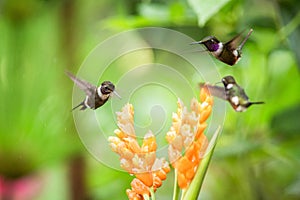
{"points": [[107, 88]]}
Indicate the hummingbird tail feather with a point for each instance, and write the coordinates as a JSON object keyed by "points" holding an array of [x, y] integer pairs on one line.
{"points": [[258, 102], [81, 104]]}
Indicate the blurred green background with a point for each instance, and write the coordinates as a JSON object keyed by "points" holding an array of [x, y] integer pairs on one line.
{"points": [[258, 155]]}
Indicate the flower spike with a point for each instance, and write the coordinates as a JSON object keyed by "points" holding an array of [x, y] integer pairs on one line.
{"points": [[186, 135], [140, 161]]}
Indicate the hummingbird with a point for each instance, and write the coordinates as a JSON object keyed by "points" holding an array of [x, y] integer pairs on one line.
{"points": [[229, 52], [95, 96], [231, 92]]}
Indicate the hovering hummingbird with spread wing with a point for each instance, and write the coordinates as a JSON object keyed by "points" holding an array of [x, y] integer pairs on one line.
{"points": [[95, 96], [231, 92], [229, 52]]}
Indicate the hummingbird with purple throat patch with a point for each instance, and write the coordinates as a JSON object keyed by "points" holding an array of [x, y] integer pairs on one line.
{"points": [[229, 52], [95, 96], [231, 92]]}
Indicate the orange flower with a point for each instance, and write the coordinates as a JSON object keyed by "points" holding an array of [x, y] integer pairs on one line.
{"points": [[186, 135], [135, 159]]}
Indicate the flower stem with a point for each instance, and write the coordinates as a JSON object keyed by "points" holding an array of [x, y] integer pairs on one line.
{"points": [[146, 197], [176, 188], [182, 194], [152, 193]]}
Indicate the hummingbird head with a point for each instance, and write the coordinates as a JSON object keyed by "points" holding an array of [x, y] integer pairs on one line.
{"points": [[107, 87], [228, 82], [211, 43]]}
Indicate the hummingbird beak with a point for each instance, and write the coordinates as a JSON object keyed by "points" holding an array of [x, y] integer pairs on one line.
{"points": [[115, 93], [198, 42], [218, 82]]}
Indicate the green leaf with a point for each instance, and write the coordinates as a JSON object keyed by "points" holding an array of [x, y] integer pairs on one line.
{"points": [[205, 9], [195, 186]]}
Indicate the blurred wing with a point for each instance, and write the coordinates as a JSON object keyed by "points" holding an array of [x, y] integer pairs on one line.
{"points": [[234, 42], [88, 88], [245, 39], [243, 94], [216, 91]]}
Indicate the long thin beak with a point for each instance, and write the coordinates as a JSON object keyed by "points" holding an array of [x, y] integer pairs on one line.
{"points": [[198, 42], [218, 82], [115, 93]]}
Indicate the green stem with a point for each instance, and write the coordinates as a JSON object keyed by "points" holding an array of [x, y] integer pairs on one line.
{"points": [[183, 194], [146, 197], [152, 193], [195, 186], [176, 188]]}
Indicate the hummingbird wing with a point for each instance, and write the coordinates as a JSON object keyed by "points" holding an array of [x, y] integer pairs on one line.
{"points": [[214, 90], [87, 87], [245, 39], [235, 43], [244, 96], [242, 93]]}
